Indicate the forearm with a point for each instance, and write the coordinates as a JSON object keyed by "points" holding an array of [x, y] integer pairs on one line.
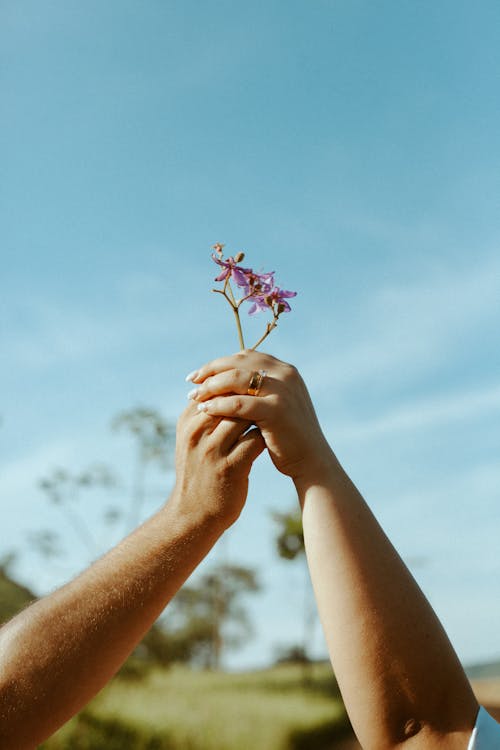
{"points": [[62, 650], [398, 673]]}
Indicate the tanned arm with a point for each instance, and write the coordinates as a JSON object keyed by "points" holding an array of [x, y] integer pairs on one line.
{"points": [[58, 653]]}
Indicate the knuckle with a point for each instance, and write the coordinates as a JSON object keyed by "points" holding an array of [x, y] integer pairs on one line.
{"points": [[223, 473], [239, 373], [290, 372], [204, 387], [211, 450], [275, 399], [192, 440], [237, 403], [210, 384], [201, 374]]}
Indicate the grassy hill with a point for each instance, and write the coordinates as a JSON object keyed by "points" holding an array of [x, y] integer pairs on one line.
{"points": [[179, 709], [13, 596]]}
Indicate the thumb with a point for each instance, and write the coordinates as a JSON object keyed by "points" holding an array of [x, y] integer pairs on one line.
{"points": [[247, 448]]}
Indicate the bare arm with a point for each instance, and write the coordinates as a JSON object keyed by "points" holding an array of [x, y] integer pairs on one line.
{"points": [[62, 650], [399, 675], [400, 678]]}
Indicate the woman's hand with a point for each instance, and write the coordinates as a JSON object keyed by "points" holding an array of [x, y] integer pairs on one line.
{"points": [[213, 460], [282, 410]]}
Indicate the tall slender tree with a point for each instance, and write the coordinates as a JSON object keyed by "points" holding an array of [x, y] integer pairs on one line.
{"points": [[290, 546], [154, 440], [64, 489], [213, 612]]}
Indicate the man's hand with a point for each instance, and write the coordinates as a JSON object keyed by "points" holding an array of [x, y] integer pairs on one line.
{"points": [[283, 410], [57, 654], [213, 461]]}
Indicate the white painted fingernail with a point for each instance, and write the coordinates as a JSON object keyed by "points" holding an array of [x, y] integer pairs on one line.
{"points": [[191, 376], [203, 406], [192, 394]]}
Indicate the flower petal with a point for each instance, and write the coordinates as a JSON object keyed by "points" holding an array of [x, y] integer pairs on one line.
{"points": [[239, 275]]}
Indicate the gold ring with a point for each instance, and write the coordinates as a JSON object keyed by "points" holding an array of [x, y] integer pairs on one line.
{"points": [[255, 383]]}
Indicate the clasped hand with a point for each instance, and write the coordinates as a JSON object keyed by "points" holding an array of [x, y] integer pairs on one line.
{"points": [[216, 448]]}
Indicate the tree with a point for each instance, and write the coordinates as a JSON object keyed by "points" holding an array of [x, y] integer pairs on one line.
{"points": [[290, 536], [203, 619], [290, 546], [13, 596], [63, 489], [210, 616], [154, 437]]}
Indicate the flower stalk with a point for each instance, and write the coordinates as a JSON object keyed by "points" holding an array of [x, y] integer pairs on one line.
{"points": [[259, 289]]}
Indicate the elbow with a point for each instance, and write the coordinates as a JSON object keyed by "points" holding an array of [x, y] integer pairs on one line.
{"points": [[422, 734], [402, 731]]}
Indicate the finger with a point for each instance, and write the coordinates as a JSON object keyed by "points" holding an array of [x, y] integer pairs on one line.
{"points": [[251, 408], [197, 423], [228, 432], [248, 448], [246, 359], [235, 380]]}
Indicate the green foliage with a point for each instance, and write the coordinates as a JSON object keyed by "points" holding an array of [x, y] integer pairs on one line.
{"points": [[90, 732], [154, 435], [192, 710], [154, 439], [64, 490], [163, 647], [322, 737], [13, 596], [290, 545], [294, 654], [201, 621], [290, 536], [211, 616]]}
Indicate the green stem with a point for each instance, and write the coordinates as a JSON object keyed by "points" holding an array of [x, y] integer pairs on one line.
{"points": [[234, 306], [269, 328], [238, 325]]}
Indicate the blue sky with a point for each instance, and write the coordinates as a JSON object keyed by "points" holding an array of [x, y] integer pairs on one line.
{"points": [[351, 146]]}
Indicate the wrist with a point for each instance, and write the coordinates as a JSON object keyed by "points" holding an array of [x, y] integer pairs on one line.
{"points": [[318, 471], [194, 517]]}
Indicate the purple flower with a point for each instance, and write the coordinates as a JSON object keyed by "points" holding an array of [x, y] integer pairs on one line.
{"points": [[258, 289], [275, 299], [231, 269], [258, 284]]}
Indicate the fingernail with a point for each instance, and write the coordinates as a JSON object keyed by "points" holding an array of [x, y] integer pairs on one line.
{"points": [[203, 406], [191, 376], [192, 394]]}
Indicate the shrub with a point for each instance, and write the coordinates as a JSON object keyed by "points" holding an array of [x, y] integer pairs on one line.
{"points": [[94, 733]]}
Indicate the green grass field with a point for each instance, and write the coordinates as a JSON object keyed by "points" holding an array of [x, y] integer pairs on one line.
{"points": [[178, 709]]}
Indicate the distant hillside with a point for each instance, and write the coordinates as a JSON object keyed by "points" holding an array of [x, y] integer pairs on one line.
{"points": [[13, 596], [488, 671]]}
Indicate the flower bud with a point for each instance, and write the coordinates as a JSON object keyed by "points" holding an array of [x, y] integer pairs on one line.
{"points": [[239, 257]]}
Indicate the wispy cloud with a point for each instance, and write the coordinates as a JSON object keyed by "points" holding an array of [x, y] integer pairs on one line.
{"points": [[402, 331], [424, 413], [142, 309]]}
